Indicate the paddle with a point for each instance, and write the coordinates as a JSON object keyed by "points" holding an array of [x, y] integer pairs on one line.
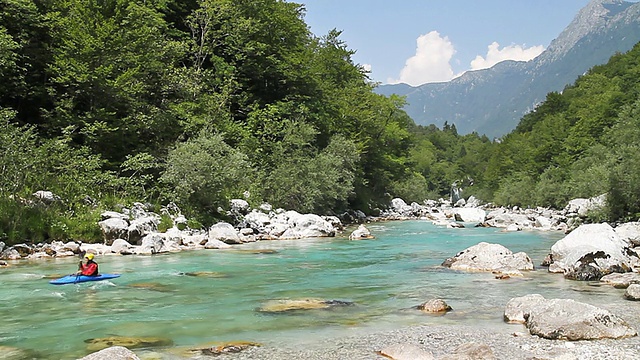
{"points": [[79, 268]]}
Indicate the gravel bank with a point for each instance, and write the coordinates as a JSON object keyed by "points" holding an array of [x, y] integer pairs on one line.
{"points": [[513, 342]]}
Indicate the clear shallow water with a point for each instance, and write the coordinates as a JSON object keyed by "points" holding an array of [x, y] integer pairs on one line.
{"points": [[384, 278]]}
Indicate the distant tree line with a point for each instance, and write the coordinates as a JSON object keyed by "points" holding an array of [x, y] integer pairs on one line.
{"points": [[107, 102]]}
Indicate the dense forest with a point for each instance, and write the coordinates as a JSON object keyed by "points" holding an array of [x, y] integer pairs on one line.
{"points": [[110, 102]]}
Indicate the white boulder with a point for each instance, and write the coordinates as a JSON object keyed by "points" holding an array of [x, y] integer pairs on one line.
{"points": [[632, 292], [303, 225], [468, 214], [224, 232], [564, 319], [630, 233], [517, 308], [489, 257], [591, 251], [361, 233]]}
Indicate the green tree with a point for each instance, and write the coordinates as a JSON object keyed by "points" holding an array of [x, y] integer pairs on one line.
{"points": [[204, 173], [624, 180], [111, 77], [19, 157], [309, 180], [25, 52]]}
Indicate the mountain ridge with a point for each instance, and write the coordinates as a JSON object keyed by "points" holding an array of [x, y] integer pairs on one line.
{"points": [[492, 101]]}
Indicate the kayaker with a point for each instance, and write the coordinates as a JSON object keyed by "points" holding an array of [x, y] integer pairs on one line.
{"points": [[87, 266]]}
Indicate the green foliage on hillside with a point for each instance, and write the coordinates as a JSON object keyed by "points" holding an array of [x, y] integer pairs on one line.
{"points": [[196, 102], [581, 143], [107, 102]]}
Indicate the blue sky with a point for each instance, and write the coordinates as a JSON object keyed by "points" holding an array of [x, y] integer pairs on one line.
{"points": [[420, 41]]}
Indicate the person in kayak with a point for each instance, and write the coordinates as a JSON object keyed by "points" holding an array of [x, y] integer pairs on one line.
{"points": [[87, 266]]}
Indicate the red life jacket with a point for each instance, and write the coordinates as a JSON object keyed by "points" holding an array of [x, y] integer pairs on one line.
{"points": [[90, 269]]}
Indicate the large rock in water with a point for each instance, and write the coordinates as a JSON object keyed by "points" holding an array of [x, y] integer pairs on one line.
{"points": [[591, 251], [361, 233], [434, 306], [621, 281], [489, 257]]}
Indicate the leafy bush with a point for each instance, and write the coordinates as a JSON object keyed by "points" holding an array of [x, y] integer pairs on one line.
{"points": [[414, 188], [307, 180], [515, 190], [204, 173], [165, 223]]}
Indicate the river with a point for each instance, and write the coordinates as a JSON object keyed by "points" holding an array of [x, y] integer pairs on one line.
{"points": [[383, 278]]}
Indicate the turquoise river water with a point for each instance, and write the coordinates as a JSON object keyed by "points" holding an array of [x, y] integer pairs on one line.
{"points": [[384, 278]]}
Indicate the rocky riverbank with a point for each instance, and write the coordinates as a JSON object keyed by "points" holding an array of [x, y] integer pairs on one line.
{"points": [[422, 343], [448, 343], [588, 252], [136, 230]]}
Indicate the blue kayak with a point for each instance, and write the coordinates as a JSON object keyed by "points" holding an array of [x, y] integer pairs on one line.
{"points": [[73, 279]]}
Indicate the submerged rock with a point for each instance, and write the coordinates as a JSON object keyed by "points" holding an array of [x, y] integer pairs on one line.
{"points": [[277, 306], [209, 274], [256, 251], [226, 348], [434, 306], [13, 353], [153, 286], [126, 341]]}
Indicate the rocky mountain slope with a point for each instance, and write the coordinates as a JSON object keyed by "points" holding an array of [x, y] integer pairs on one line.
{"points": [[492, 101]]}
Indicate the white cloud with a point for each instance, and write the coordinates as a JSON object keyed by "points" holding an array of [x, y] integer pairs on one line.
{"points": [[496, 55], [431, 63], [366, 67]]}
